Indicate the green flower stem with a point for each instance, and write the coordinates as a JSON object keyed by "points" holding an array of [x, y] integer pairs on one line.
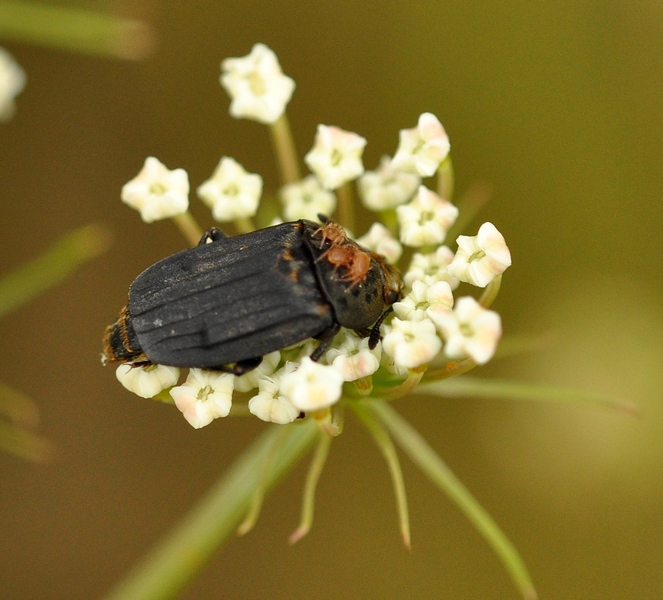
{"points": [[346, 208], [410, 383], [445, 179], [388, 450], [434, 467], [284, 149], [244, 225], [469, 205], [491, 291], [18, 407], [477, 387], [166, 570], [24, 443], [451, 369], [314, 472], [61, 259], [259, 493], [188, 227], [76, 29]]}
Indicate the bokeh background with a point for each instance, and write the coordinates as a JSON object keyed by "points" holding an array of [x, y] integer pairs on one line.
{"points": [[557, 105]]}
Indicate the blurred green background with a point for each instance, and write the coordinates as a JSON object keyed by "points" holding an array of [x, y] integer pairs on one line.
{"points": [[558, 105]]}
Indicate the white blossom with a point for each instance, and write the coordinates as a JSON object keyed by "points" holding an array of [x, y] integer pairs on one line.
{"points": [[270, 404], [204, 396], [156, 192], [353, 358], [256, 85], [336, 156], [12, 82], [425, 220], [480, 258], [425, 301], [386, 187], [379, 239], [411, 343], [306, 199], [147, 382], [249, 381], [231, 193], [470, 330], [431, 268], [312, 386], [422, 148]]}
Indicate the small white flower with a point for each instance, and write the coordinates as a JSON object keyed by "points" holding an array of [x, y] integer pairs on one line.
{"points": [[204, 396], [411, 343], [249, 381], [470, 330], [270, 404], [431, 268], [258, 88], [336, 156], [422, 148], [156, 192], [231, 193], [379, 239], [425, 301], [353, 358], [480, 258], [425, 220], [312, 386], [306, 199], [386, 187], [147, 382], [12, 82]]}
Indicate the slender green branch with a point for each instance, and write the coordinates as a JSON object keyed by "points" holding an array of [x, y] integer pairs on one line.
{"points": [[346, 207], [188, 227], [314, 472], [445, 179], [54, 265], [174, 561], [284, 149], [76, 29], [434, 467], [388, 450]]}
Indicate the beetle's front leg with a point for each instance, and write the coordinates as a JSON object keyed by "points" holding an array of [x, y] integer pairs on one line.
{"points": [[213, 234], [325, 338], [242, 366]]}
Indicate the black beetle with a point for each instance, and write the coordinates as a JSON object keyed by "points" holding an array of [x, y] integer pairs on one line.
{"points": [[231, 300]]}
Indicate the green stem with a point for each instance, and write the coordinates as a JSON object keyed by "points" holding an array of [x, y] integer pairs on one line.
{"points": [[166, 570], [491, 291], [445, 179], [346, 209], [314, 472], [388, 450], [284, 149], [434, 467], [63, 257], [76, 29], [189, 228]]}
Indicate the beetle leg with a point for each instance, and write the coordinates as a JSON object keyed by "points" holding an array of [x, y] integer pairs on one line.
{"points": [[375, 336], [241, 366], [213, 234], [325, 339]]}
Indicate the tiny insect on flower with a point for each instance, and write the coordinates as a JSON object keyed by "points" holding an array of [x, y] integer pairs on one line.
{"points": [[224, 305]]}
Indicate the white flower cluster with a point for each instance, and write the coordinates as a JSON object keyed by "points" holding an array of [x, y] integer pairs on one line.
{"points": [[427, 320]]}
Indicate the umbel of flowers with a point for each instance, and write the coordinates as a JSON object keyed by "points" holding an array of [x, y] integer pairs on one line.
{"points": [[434, 332]]}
